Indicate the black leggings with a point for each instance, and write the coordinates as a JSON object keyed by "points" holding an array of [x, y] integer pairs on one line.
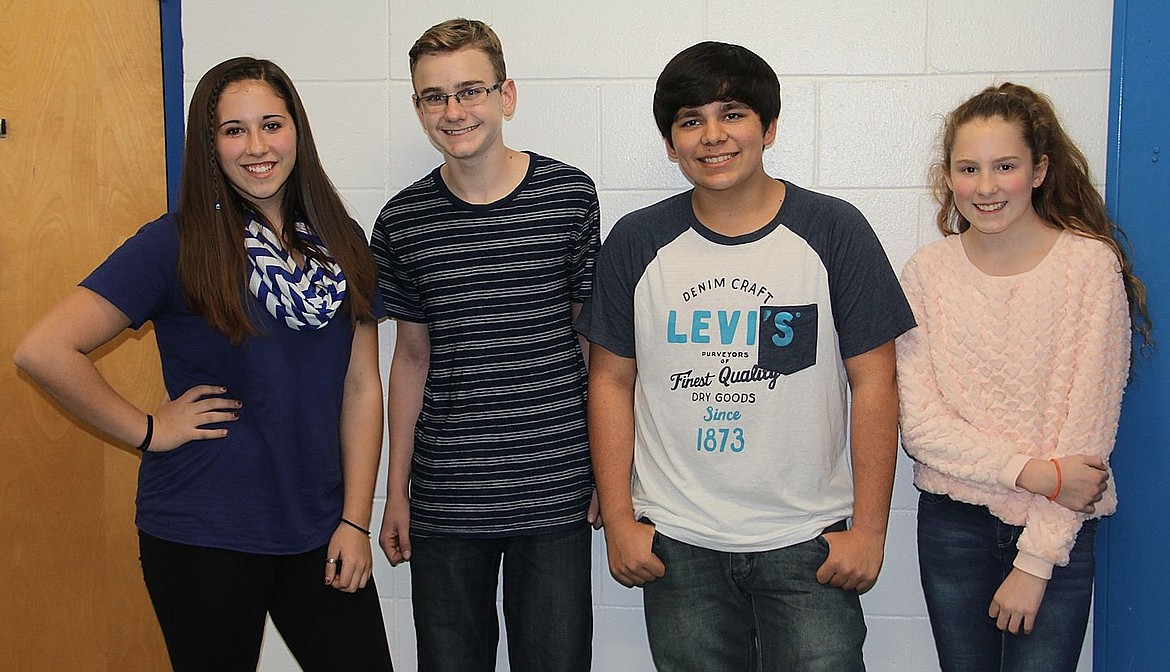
{"points": [[211, 605]]}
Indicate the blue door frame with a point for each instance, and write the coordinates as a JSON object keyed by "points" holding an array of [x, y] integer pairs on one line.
{"points": [[171, 29], [1132, 629]]}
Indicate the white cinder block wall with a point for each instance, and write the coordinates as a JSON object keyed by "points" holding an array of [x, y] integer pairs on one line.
{"points": [[865, 83]]}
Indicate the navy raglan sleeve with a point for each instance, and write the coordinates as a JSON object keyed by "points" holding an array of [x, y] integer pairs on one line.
{"points": [[607, 318], [868, 304]]}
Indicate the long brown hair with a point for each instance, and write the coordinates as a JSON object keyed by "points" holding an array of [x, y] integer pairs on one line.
{"points": [[212, 260], [1066, 199]]}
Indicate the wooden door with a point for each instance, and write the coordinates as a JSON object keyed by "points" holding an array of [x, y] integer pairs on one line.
{"points": [[82, 168]]}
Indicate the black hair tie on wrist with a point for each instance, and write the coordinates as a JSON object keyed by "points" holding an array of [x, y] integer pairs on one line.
{"points": [[355, 526], [149, 434]]}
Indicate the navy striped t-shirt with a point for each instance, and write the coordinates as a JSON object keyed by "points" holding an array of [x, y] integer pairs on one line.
{"points": [[500, 445]]}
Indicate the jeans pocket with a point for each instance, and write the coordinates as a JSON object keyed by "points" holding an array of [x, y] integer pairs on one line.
{"points": [[839, 526], [656, 540], [1087, 535], [931, 499]]}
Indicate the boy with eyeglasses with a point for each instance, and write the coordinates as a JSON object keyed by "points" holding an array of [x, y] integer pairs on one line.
{"points": [[727, 325], [485, 263]]}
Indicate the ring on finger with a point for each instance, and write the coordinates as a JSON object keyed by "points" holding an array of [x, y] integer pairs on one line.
{"points": [[331, 561]]}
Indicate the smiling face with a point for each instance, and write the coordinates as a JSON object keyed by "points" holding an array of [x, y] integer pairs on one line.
{"points": [[256, 144], [463, 130], [992, 175], [720, 145]]}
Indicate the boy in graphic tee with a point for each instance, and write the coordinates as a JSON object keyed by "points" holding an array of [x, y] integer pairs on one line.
{"points": [[727, 325]]}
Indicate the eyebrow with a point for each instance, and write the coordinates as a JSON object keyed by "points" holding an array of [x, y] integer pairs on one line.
{"points": [[458, 87], [693, 110], [265, 117], [1010, 157]]}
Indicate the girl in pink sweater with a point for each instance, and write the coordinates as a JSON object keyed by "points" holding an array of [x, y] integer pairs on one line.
{"points": [[1011, 385]]}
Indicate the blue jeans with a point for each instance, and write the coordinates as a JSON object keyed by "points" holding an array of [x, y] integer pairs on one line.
{"points": [[548, 601], [964, 554], [743, 612]]}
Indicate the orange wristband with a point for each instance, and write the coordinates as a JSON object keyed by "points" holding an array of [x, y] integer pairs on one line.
{"points": [[1059, 481]]}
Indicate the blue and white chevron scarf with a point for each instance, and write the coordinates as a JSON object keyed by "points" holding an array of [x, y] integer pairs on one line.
{"points": [[303, 299]]}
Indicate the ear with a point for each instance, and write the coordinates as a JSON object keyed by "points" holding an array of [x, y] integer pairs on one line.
{"points": [[1040, 172], [770, 133], [508, 96], [670, 153], [418, 111], [946, 175]]}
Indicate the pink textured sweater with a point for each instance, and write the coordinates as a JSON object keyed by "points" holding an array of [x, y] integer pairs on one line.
{"points": [[1004, 369]]}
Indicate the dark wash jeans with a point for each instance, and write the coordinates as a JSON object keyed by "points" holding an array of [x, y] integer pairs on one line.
{"points": [[964, 554], [548, 601], [746, 612], [211, 605]]}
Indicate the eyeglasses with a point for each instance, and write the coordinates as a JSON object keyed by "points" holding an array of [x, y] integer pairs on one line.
{"points": [[472, 95]]}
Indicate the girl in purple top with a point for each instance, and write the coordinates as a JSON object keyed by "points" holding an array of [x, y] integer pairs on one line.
{"points": [[257, 476]]}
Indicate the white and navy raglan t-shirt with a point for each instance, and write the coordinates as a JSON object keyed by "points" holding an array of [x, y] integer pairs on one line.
{"points": [[501, 446], [740, 400]]}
